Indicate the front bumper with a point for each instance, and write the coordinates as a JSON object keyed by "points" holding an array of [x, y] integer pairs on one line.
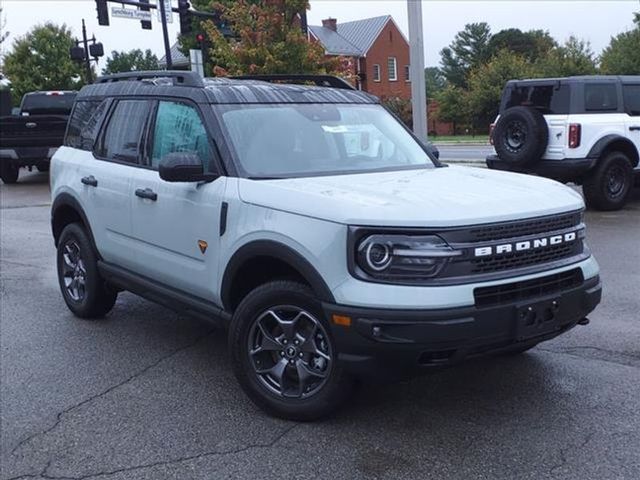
{"points": [[384, 343], [565, 170]]}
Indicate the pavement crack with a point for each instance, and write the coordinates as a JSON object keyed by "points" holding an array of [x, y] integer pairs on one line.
{"points": [[565, 451], [266, 444], [61, 414], [602, 354]]}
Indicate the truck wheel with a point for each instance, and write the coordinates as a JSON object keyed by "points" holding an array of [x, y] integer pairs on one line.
{"points": [[43, 167], [521, 136], [83, 290], [283, 354], [9, 173], [609, 184]]}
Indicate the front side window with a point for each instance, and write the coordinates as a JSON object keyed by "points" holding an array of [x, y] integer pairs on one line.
{"points": [[178, 128], [297, 140], [600, 97], [392, 65], [632, 99], [122, 138]]}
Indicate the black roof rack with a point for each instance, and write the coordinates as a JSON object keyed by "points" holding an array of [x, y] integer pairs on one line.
{"points": [[319, 80], [184, 78]]}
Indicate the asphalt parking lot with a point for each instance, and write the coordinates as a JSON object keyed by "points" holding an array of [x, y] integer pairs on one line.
{"points": [[149, 394]]}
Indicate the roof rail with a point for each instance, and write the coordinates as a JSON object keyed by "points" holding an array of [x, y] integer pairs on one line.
{"points": [[319, 80], [184, 78]]}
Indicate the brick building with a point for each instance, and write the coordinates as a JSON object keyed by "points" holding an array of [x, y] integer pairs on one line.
{"points": [[379, 50]]}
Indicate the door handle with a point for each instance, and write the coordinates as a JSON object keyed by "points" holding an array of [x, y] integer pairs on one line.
{"points": [[147, 193], [90, 181], [635, 128]]}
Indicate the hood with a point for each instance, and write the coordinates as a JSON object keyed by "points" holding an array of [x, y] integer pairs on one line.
{"points": [[451, 196]]}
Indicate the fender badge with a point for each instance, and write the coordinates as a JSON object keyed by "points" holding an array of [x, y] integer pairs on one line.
{"points": [[203, 246]]}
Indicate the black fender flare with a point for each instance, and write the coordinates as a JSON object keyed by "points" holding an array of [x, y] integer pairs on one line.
{"points": [[278, 251], [67, 200], [601, 145]]}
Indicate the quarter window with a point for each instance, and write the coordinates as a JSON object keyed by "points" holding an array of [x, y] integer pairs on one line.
{"points": [[392, 65], [632, 99], [376, 73], [600, 97], [82, 113], [179, 128], [122, 138]]}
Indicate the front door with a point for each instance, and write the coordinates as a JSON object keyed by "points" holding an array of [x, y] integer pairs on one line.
{"points": [[176, 226]]}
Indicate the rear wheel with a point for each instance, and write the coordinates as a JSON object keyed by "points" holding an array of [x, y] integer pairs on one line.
{"points": [[609, 185], [9, 173], [43, 167], [283, 354], [83, 290]]}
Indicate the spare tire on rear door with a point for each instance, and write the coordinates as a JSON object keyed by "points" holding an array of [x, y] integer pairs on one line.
{"points": [[521, 136]]}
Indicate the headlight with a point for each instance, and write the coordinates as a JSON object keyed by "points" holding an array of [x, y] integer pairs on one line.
{"points": [[402, 257]]}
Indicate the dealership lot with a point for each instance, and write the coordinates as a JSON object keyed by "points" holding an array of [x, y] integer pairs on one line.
{"points": [[150, 394]]}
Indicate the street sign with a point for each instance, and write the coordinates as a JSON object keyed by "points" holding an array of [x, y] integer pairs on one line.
{"points": [[167, 11], [130, 14]]}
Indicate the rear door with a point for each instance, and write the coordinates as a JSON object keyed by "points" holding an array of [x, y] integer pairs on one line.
{"points": [[176, 233], [631, 95]]}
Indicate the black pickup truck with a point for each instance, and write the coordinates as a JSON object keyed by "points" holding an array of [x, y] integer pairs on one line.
{"points": [[30, 138]]}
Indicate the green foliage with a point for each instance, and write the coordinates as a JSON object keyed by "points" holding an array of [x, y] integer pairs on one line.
{"points": [[434, 80], [575, 57], [268, 40], [532, 45], [3, 23], [402, 108], [133, 60], [40, 60], [622, 56], [469, 48], [453, 106]]}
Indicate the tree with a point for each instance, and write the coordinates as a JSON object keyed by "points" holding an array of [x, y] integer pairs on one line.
{"points": [[434, 80], [40, 60], [453, 106], [3, 23], [574, 57], [133, 60], [532, 45], [487, 82], [622, 56], [469, 48]]}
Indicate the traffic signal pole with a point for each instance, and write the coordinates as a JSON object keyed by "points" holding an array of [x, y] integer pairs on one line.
{"points": [[165, 33], [87, 61]]}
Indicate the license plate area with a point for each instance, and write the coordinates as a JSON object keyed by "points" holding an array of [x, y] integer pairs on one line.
{"points": [[535, 319]]}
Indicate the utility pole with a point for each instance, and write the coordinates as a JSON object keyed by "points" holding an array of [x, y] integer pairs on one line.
{"points": [[165, 33], [418, 87]]}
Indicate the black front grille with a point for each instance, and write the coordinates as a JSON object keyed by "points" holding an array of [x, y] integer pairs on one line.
{"points": [[526, 258], [516, 291], [523, 228]]}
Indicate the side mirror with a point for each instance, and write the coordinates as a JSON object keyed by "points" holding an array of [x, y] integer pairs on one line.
{"points": [[433, 150], [183, 167]]}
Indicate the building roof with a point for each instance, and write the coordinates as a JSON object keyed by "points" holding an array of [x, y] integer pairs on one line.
{"points": [[351, 38], [177, 58]]}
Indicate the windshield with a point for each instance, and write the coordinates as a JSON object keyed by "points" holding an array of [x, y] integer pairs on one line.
{"points": [[48, 103], [296, 140]]}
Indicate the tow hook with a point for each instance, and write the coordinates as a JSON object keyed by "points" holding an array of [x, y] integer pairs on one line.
{"points": [[584, 321]]}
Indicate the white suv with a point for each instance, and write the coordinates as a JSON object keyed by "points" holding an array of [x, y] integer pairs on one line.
{"points": [[584, 130], [312, 224]]}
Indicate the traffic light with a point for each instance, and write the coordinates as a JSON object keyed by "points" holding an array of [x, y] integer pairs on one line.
{"points": [[186, 17], [103, 12], [146, 24]]}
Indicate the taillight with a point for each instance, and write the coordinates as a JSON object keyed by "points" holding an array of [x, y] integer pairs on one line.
{"points": [[575, 132], [492, 127]]}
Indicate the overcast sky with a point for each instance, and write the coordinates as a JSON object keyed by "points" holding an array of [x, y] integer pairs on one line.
{"points": [[595, 21]]}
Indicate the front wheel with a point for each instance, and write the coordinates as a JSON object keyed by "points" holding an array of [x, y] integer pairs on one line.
{"points": [[9, 173], [283, 354], [609, 185]]}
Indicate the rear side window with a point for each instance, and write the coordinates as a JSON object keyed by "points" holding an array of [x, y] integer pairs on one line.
{"points": [[179, 128], [549, 99], [83, 124], [632, 99], [600, 97], [123, 135]]}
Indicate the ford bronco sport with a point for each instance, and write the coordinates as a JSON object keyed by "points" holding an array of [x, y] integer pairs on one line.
{"points": [[584, 130], [314, 226]]}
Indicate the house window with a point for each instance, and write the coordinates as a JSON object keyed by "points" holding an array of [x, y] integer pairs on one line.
{"points": [[392, 65], [376, 73], [407, 74]]}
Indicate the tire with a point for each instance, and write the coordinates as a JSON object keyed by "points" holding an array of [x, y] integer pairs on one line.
{"points": [[43, 167], [270, 375], [77, 262], [9, 173], [609, 185], [521, 136]]}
